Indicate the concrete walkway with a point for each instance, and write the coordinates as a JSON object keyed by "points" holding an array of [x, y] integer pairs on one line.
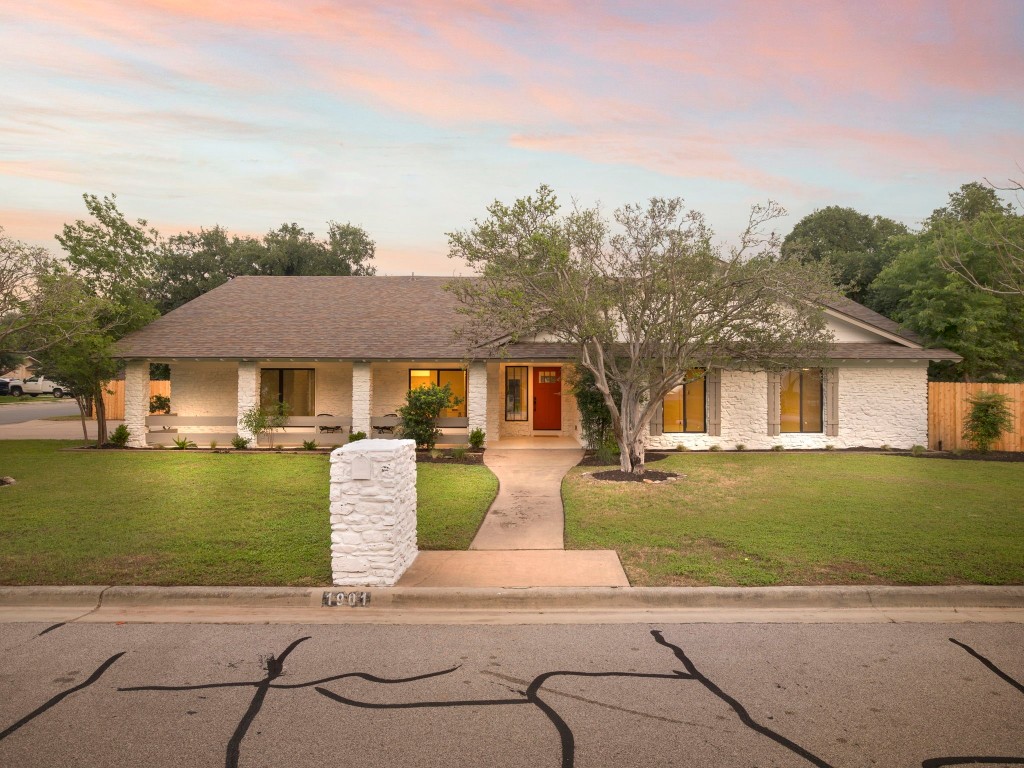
{"points": [[527, 514], [525, 568]]}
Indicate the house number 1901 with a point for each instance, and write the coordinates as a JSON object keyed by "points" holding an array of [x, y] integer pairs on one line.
{"points": [[349, 599]]}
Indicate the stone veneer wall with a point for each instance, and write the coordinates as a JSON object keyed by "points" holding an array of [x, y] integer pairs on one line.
{"points": [[136, 401], [879, 404], [373, 521]]}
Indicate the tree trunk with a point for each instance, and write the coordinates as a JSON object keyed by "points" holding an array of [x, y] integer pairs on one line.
{"points": [[629, 434], [84, 411]]}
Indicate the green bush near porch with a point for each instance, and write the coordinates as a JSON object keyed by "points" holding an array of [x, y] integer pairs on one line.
{"points": [[189, 517], [807, 518]]}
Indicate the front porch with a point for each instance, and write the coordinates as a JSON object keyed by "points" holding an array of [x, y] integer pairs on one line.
{"points": [[517, 404]]}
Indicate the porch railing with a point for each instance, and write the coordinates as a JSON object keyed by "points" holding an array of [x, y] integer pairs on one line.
{"points": [[163, 430]]}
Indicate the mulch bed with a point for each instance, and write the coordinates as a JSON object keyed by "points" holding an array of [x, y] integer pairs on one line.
{"points": [[471, 457], [650, 476], [969, 455]]}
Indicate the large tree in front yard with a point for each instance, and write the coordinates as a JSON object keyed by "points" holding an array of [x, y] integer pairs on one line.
{"points": [[648, 300]]}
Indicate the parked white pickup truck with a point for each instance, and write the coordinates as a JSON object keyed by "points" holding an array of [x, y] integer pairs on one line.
{"points": [[37, 385]]}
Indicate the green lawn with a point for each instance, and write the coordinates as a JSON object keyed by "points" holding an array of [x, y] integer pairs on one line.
{"points": [[11, 399], [809, 518], [184, 517]]}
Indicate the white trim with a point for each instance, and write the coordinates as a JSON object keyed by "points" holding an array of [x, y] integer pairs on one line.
{"points": [[873, 328]]}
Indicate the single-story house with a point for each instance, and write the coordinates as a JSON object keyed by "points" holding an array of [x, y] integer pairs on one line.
{"points": [[343, 352]]}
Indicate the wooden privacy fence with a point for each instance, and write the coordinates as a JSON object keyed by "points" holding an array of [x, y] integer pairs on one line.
{"points": [[947, 407], [113, 398]]}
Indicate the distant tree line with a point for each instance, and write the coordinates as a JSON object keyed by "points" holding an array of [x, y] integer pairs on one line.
{"points": [[956, 282], [117, 275]]}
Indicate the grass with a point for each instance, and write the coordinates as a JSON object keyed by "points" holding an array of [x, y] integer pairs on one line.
{"points": [[761, 519], [183, 517], [11, 399]]}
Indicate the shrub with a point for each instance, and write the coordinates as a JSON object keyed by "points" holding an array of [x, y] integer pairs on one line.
{"points": [[356, 436], [213, 445], [159, 404], [239, 443], [459, 453], [120, 436], [681, 447], [778, 448], [436, 453], [740, 447], [830, 447], [608, 451], [423, 405], [989, 418], [595, 419], [183, 443], [917, 450], [715, 447], [886, 447], [309, 445], [476, 439], [264, 421]]}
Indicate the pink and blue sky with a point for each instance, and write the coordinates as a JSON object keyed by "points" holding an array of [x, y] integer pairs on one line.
{"points": [[409, 118]]}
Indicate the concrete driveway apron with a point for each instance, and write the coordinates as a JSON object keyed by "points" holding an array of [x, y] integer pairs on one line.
{"points": [[527, 513]]}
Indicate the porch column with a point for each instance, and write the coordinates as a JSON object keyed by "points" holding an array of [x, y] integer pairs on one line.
{"points": [[136, 401], [362, 397], [248, 396], [476, 395]]}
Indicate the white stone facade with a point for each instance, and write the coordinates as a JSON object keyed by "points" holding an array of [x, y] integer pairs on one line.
{"points": [[879, 404], [373, 512], [362, 397], [136, 402], [247, 395], [204, 389], [476, 397]]}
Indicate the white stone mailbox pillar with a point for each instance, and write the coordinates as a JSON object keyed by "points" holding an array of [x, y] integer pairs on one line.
{"points": [[373, 512]]}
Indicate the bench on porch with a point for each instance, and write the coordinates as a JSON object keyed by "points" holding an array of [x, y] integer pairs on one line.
{"points": [[298, 429]]}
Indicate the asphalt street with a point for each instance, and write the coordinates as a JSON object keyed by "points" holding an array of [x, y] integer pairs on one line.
{"points": [[16, 413], [569, 695]]}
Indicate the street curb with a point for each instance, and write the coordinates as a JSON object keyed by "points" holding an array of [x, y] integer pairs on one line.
{"points": [[525, 599]]}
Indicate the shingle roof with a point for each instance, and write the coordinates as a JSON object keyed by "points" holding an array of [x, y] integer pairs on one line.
{"points": [[373, 318], [308, 317], [860, 312], [867, 351]]}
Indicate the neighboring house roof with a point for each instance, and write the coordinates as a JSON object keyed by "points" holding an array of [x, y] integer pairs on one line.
{"points": [[375, 318]]}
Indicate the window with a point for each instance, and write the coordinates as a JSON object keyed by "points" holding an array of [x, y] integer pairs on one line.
{"points": [[801, 400], [517, 381], [288, 385], [685, 407], [455, 379]]}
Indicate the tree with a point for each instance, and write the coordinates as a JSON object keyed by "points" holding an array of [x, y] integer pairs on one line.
{"points": [[854, 243], [192, 263], [37, 307], [114, 260], [1000, 235], [644, 303], [919, 290]]}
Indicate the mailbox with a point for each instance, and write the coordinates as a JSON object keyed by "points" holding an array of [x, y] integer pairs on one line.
{"points": [[362, 468]]}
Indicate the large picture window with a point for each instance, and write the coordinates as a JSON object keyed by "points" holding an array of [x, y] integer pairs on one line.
{"points": [[294, 386], [454, 378], [801, 400], [685, 407], [517, 385]]}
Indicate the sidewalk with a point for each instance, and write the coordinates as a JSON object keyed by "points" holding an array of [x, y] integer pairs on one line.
{"points": [[611, 605]]}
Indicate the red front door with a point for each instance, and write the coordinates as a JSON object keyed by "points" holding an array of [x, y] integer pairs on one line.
{"points": [[547, 398]]}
